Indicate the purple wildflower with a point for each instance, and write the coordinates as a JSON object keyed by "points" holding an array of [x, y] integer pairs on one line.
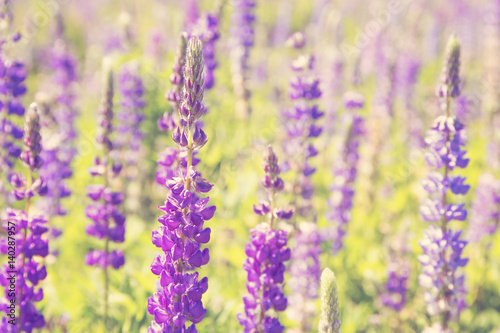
{"points": [[304, 272], [441, 277], [266, 253], [345, 173], [12, 88], [485, 215], [108, 222], [58, 120], [301, 124], [396, 288], [182, 232], [26, 242], [243, 37], [130, 116], [207, 30]]}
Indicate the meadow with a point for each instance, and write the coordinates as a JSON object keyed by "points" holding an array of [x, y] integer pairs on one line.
{"points": [[383, 120]]}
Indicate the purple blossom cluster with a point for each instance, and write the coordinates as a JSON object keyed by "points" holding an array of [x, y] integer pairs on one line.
{"points": [[58, 118], [243, 37], [25, 244], [12, 88], [396, 286], [108, 222], [345, 172], [301, 125], [207, 30], [130, 117], [304, 272], [442, 247], [266, 253], [485, 215], [182, 233]]}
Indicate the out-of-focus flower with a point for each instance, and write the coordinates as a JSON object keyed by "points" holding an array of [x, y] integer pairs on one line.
{"points": [[485, 215], [243, 37], [442, 258]]}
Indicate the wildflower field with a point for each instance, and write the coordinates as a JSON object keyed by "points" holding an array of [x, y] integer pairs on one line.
{"points": [[295, 166]]}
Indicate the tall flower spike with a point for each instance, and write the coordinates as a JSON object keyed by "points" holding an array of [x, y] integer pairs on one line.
{"points": [[329, 321], [130, 117], [58, 120], [12, 89], [345, 172], [302, 127], [181, 233], [25, 233], [207, 30], [243, 19], [266, 253], [108, 222], [442, 247]]}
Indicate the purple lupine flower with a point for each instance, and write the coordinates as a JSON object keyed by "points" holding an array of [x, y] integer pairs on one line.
{"points": [[407, 70], [485, 215], [130, 116], [108, 222], [182, 233], [12, 89], [442, 258], [59, 118], [207, 30], [266, 253], [301, 124], [25, 233], [396, 288], [304, 272], [345, 172], [243, 36]]}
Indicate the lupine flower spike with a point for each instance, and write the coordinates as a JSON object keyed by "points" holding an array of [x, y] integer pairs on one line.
{"points": [[108, 222], [345, 172], [442, 258], [302, 127], [58, 118], [329, 321], [266, 253], [25, 244], [12, 88], [243, 19], [130, 117], [180, 236]]}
